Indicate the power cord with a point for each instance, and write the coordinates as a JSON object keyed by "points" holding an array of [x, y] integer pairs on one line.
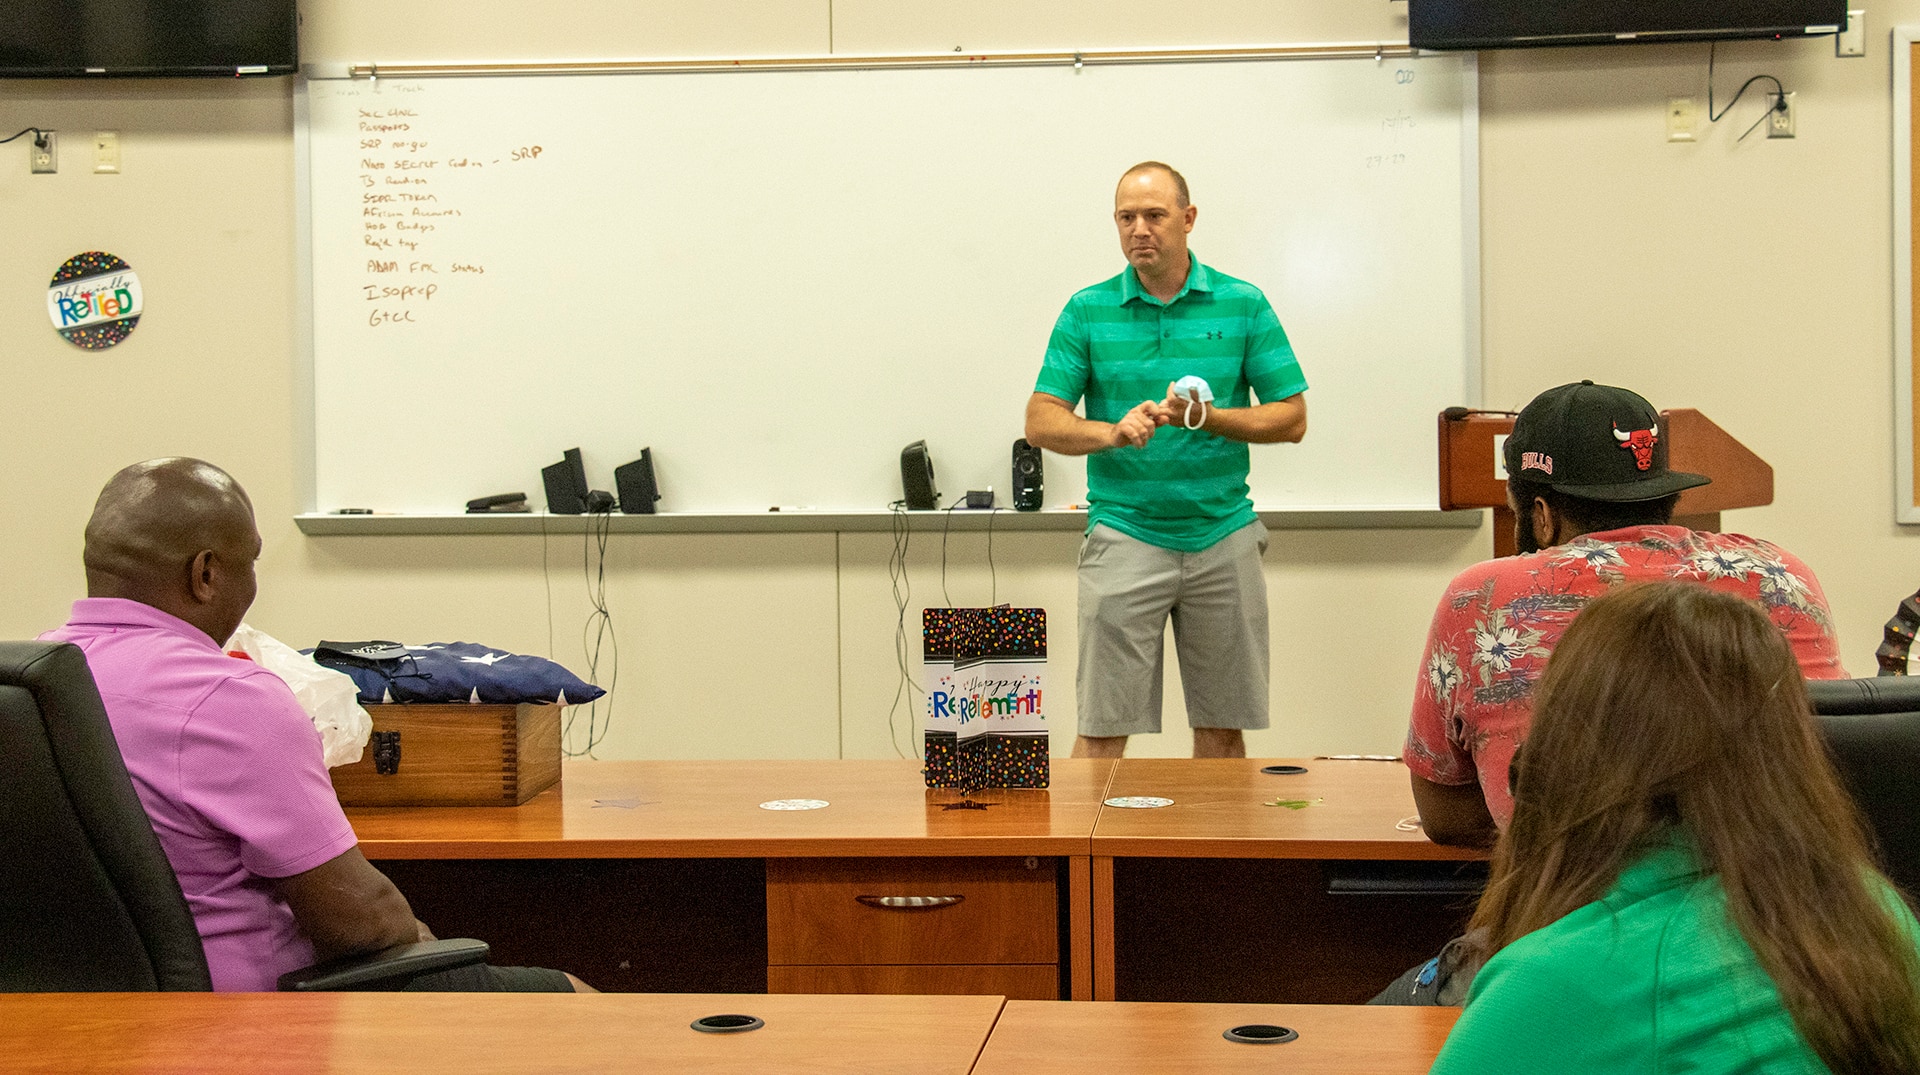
{"points": [[944, 533], [546, 577], [993, 573], [42, 142], [902, 598], [1780, 96], [598, 631]]}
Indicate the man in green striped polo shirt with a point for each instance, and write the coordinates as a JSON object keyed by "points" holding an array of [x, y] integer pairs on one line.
{"points": [[1170, 528]]}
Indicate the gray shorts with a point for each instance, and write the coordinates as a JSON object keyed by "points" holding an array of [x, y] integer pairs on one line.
{"points": [[1217, 599]]}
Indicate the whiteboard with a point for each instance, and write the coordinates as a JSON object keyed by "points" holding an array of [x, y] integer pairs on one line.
{"points": [[777, 279]]}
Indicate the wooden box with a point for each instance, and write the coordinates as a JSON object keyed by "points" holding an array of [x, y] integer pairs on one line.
{"points": [[456, 755]]}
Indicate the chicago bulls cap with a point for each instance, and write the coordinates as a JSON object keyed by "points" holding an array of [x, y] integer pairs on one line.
{"points": [[1595, 442]]}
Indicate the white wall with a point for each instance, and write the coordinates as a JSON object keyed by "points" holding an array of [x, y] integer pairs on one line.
{"points": [[1750, 280]]}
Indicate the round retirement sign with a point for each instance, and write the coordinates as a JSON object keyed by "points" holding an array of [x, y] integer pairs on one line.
{"points": [[94, 300]]}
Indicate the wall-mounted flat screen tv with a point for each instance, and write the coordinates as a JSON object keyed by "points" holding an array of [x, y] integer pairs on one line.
{"points": [[1505, 24], [106, 38]]}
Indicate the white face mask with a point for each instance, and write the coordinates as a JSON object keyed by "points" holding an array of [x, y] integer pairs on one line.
{"points": [[1197, 392]]}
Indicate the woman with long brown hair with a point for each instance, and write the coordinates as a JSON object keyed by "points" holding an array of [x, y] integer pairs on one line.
{"points": [[1685, 885]]}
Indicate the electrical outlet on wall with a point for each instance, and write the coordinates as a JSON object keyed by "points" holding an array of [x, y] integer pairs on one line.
{"points": [[42, 155], [1682, 117], [1780, 115], [106, 152], [1852, 40]]}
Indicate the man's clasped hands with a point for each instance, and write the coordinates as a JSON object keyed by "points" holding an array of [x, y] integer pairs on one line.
{"points": [[1138, 426]]}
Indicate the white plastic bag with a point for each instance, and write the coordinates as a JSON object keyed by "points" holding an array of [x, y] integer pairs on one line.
{"points": [[329, 697]]}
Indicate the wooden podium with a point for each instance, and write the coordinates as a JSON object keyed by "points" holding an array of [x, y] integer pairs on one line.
{"points": [[1471, 474]]}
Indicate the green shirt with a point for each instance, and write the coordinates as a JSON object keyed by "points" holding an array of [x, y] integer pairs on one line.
{"points": [[1652, 977], [1115, 345]]}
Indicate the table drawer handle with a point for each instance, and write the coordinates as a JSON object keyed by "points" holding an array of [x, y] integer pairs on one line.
{"points": [[910, 903]]}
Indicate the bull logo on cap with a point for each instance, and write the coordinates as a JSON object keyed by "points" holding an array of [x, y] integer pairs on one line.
{"points": [[1640, 442]]}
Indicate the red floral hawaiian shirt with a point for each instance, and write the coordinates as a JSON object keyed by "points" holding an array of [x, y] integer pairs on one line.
{"points": [[1499, 620]]}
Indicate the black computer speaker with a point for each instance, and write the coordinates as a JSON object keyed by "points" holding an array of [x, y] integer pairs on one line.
{"points": [[1028, 487], [916, 477], [566, 483], [638, 490]]}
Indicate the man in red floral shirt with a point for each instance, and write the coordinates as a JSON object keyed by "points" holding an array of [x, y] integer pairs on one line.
{"points": [[1593, 499]]}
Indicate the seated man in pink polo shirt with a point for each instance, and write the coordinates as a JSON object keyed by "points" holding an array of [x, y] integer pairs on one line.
{"points": [[225, 761]]}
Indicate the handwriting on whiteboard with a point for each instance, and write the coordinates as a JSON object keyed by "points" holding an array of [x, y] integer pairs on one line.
{"points": [[1394, 129], [412, 186]]}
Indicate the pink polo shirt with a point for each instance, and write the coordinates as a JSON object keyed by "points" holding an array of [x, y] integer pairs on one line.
{"points": [[229, 768]]}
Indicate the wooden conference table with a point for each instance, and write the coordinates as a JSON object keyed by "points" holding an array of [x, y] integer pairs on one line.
{"points": [[670, 876], [1065, 1038], [475, 1034], [1223, 897]]}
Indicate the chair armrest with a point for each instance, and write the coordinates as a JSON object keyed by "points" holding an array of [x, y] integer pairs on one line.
{"points": [[1880, 694], [389, 968]]}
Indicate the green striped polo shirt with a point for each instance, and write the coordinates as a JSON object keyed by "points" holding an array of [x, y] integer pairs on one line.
{"points": [[1115, 345]]}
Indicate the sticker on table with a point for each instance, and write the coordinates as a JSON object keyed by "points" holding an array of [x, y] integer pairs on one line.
{"points": [[1139, 802], [94, 300], [794, 804]]}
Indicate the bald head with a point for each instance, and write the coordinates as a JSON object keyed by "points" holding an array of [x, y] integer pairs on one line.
{"points": [[1144, 169], [177, 534]]}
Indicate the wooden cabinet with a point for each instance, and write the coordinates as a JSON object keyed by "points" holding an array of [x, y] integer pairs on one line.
{"points": [[922, 925]]}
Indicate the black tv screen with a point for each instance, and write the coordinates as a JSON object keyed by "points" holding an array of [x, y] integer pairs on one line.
{"points": [[1494, 24], [94, 38]]}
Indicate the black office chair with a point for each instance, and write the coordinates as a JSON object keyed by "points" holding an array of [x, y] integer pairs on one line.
{"points": [[88, 901], [1873, 731]]}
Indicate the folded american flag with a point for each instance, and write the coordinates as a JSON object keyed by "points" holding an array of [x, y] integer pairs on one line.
{"points": [[453, 672]]}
